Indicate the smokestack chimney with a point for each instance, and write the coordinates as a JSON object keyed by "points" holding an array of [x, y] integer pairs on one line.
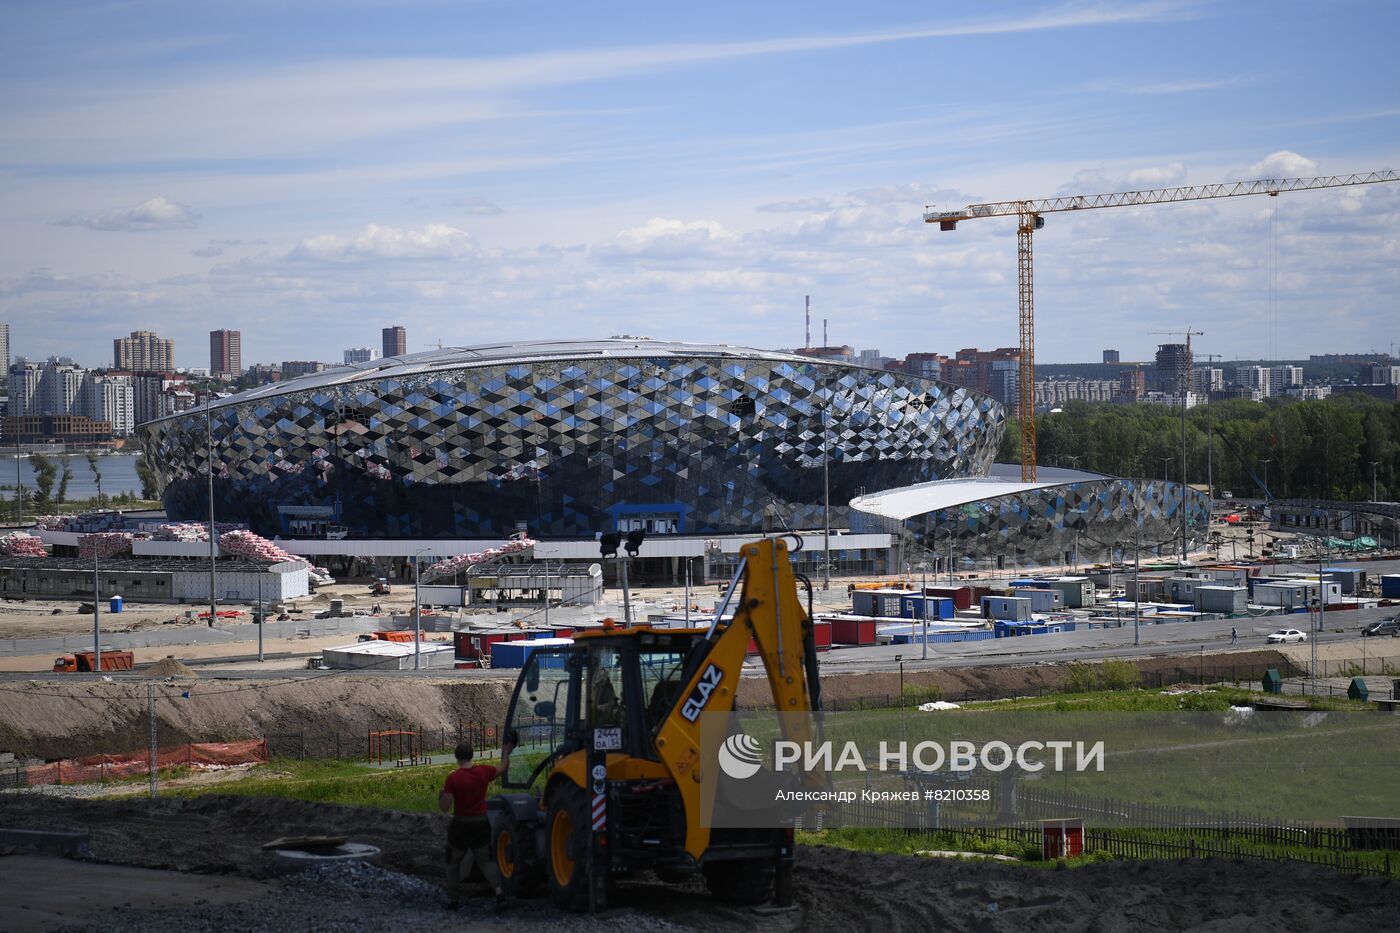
{"points": [[824, 343], [807, 332]]}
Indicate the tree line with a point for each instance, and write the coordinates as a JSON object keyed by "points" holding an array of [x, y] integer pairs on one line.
{"points": [[1318, 449]]}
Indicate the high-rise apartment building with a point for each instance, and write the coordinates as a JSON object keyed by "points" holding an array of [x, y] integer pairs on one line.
{"points": [[1173, 370], [143, 351], [1111, 356], [1132, 384], [1258, 380], [225, 354], [5, 346], [111, 399], [395, 341], [928, 365], [359, 355], [1207, 379]]}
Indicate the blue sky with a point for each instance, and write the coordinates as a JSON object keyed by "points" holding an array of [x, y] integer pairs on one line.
{"points": [[310, 172]]}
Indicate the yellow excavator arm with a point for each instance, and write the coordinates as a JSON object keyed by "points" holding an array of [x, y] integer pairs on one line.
{"points": [[770, 613]]}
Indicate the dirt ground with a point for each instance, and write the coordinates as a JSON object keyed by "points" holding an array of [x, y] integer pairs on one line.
{"points": [[60, 719], [834, 890], [995, 681], [49, 719]]}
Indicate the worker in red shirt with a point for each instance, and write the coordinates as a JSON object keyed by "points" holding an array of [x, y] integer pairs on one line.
{"points": [[469, 835]]}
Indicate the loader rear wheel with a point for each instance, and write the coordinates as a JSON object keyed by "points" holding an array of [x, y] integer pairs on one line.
{"points": [[742, 882], [516, 860], [567, 838]]}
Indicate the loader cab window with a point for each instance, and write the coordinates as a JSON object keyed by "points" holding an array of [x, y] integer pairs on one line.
{"points": [[539, 714], [662, 679], [605, 689]]}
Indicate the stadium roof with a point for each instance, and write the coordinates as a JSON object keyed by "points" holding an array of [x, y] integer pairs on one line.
{"points": [[498, 354], [1005, 479]]}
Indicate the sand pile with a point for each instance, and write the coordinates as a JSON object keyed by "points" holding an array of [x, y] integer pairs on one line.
{"points": [[170, 666]]}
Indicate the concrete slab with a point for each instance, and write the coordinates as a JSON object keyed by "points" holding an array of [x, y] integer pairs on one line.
{"points": [[42, 893]]}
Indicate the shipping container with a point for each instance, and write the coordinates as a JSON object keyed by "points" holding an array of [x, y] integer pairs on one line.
{"points": [[960, 595], [850, 631], [1042, 600], [912, 607], [1008, 608], [821, 634], [884, 602], [1226, 600], [514, 654], [1390, 585]]}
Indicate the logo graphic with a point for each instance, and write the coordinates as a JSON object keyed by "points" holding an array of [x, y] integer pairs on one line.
{"points": [[740, 756], [695, 703]]}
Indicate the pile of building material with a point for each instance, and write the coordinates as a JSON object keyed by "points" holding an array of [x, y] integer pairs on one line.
{"points": [[453, 565], [104, 544], [21, 544], [254, 547], [189, 531]]}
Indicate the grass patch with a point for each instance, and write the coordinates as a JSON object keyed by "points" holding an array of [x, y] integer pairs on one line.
{"points": [[411, 790]]}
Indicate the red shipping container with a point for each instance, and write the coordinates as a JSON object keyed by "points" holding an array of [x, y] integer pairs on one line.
{"points": [[853, 631], [960, 595], [821, 635]]}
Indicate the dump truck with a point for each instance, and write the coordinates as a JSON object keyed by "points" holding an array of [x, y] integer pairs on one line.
{"points": [[612, 727], [84, 662]]}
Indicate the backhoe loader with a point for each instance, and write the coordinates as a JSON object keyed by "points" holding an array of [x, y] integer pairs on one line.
{"points": [[606, 780]]}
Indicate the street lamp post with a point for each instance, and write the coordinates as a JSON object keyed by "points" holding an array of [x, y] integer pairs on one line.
{"points": [[417, 612], [1266, 463], [1375, 497], [96, 618], [1165, 461], [924, 604], [826, 502], [213, 537]]}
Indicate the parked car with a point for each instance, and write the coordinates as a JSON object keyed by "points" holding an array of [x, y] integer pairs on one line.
{"points": [[1389, 627], [1286, 636]]}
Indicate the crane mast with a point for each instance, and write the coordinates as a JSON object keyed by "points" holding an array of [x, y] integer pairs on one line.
{"points": [[1029, 220]]}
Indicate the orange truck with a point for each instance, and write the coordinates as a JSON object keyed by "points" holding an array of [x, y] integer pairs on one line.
{"points": [[82, 662]]}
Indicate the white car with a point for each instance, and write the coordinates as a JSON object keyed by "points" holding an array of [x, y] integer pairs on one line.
{"points": [[1286, 636]]}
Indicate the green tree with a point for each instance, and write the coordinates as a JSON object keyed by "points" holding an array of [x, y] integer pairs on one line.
{"points": [[97, 473], [150, 489], [44, 475], [63, 479]]}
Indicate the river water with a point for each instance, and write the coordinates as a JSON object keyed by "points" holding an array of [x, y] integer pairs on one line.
{"points": [[118, 475]]}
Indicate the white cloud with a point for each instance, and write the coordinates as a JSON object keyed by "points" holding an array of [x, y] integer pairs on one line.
{"points": [[435, 241], [1158, 176], [1283, 164], [159, 213]]}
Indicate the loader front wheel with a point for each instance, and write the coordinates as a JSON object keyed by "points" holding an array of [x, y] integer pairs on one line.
{"points": [[567, 839]]}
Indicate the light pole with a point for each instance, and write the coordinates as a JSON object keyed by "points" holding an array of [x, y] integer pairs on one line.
{"points": [[924, 603], [826, 501], [1137, 564], [1374, 496], [96, 620], [1267, 494], [213, 538], [417, 612], [1074, 459], [1165, 461]]}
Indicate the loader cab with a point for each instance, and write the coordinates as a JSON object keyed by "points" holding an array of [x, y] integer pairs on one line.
{"points": [[629, 680]]}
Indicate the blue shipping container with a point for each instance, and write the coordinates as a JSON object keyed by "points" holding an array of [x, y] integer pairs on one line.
{"points": [[513, 654], [939, 607], [1390, 585]]}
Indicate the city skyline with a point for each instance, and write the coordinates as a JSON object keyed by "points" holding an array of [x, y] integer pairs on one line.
{"points": [[480, 175]]}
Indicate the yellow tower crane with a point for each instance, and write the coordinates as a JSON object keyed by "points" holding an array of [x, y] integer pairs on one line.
{"points": [[1028, 214]]}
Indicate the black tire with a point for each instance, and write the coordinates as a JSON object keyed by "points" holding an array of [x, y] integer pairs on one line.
{"points": [[741, 882], [513, 847], [566, 834]]}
